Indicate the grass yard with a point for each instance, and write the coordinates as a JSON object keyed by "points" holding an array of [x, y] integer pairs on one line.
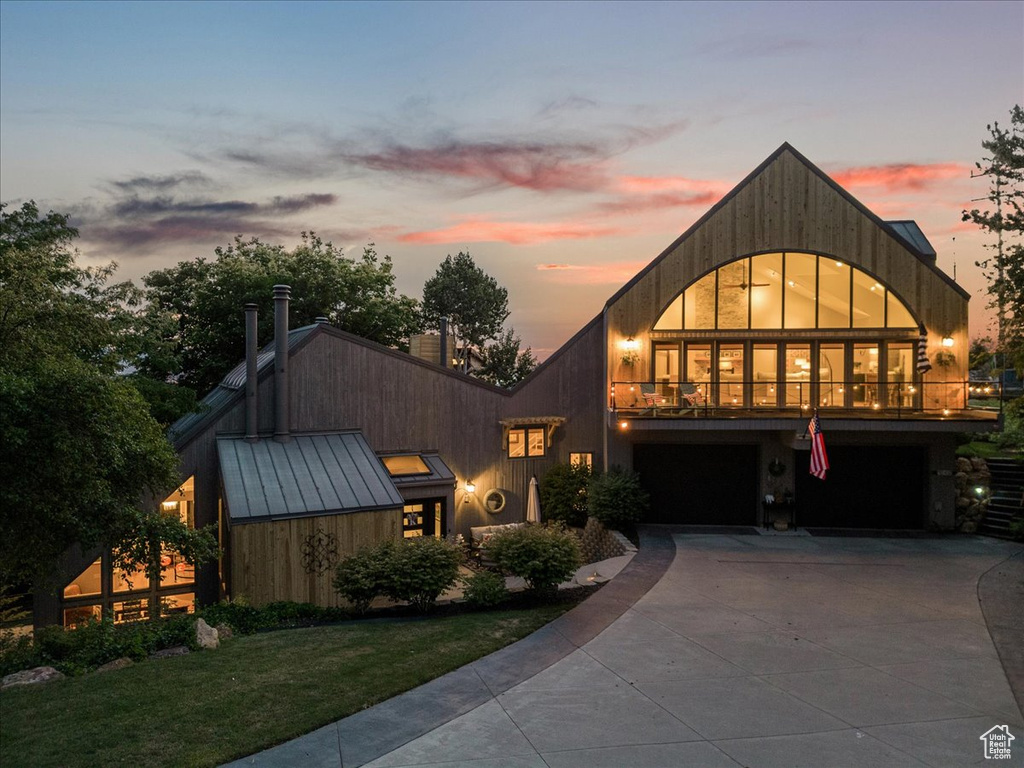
{"points": [[211, 707]]}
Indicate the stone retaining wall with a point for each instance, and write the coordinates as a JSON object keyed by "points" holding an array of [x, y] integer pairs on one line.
{"points": [[971, 474]]}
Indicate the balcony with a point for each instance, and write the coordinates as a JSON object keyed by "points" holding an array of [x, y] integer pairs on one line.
{"points": [[766, 399]]}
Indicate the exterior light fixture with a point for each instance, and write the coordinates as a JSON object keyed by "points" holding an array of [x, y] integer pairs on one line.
{"points": [[980, 491], [623, 424], [631, 344], [470, 486], [947, 341], [945, 411]]}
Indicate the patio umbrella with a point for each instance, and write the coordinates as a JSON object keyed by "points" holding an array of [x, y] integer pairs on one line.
{"points": [[533, 502]]}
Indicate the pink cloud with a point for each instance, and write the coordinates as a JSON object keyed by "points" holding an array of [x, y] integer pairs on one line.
{"points": [[515, 233], [540, 167], [627, 204], [615, 273], [900, 177]]}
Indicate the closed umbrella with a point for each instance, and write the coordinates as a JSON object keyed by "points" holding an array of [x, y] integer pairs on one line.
{"points": [[533, 502]]}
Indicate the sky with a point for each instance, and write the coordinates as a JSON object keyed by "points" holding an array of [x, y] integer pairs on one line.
{"points": [[564, 145]]}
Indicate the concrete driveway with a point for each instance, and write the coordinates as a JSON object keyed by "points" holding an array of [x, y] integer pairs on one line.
{"points": [[764, 651]]}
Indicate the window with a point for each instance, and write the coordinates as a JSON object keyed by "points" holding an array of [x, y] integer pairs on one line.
{"points": [[791, 291], [100, 588], [526, 442], [409, 464], [582, 460]]}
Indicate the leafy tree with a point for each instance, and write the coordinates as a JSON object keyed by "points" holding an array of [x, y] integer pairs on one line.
{"points": [[563, 493], [504, 365], [980, 355], [475, 305], [198, 304], [80, 449], [1004, 165]]}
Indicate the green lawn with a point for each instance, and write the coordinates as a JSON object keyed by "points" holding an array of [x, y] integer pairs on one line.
{"points": [[210, 707]]}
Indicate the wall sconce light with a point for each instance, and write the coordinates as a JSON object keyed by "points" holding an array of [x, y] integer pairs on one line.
{"points": [[623, 425], [947, 341], [470, 486], [631, 344]]}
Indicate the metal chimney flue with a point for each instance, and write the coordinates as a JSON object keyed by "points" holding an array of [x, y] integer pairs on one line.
{"points": [[282, 294], [251, 383], [442, 356]]}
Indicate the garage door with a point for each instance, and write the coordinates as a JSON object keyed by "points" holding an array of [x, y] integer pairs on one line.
{"points": [[866, 487], [699, 484]]}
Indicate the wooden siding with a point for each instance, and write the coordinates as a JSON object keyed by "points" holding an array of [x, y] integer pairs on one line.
{"points": [[267, 562], [789, 207]]}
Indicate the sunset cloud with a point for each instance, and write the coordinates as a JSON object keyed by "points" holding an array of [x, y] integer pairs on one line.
{"points": [[149, 211], [615, 273], [900, 177], [515, 233]]}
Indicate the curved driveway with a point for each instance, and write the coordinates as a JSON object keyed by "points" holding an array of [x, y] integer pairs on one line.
{"points": [[748, 651]]}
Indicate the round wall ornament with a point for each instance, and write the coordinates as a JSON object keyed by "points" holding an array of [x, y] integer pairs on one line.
{"points": [[776, 468], [494, 501]]}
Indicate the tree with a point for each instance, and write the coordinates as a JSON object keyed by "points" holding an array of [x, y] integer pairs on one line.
{"points": [[1004, 165], [475, 305], [80, 451], [504, 365], [199, 304], [980, 354]]}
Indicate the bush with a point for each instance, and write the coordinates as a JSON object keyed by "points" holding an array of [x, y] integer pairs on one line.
{"points": [[361, 577], [419, 570], [543, 555], [616, 498], [485, 589], [563, 494], [245, 619]]}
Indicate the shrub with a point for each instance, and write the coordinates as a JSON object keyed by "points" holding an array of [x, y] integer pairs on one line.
{"points": [[485, 589], [418, 570], [246, 619], [543, 555], [617, 499], [563, 494], [361, 577]]}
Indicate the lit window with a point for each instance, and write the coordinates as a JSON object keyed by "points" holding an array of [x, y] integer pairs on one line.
{"points": [[526, 442], [816, 291], [410, 464], [582, 460]]}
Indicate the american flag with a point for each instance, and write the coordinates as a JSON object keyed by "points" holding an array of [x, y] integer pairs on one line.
{"points": [[923, 366], [819, 459]]}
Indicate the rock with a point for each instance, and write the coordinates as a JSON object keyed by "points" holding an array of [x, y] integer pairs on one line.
{"points": [[969, 527], [115, 664], [224, 632], [960, 480], [30, 677], [962, 502], [979, 464], [963, 465], [174, 650], [206, 636]]}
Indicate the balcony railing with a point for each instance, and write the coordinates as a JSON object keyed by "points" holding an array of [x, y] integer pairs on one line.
{"points": [[654, 399]]}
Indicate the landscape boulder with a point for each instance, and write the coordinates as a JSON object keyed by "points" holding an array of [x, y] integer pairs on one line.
{"points": [[30, 677], [174, 650], [121, 663], [207, 637]]}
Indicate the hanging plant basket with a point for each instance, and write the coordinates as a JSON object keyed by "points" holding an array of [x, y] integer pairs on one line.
{"points": [[944, 358], [630, 358]]}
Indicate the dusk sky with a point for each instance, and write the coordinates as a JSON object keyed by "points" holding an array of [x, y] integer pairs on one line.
{"points": [[563, 145]]}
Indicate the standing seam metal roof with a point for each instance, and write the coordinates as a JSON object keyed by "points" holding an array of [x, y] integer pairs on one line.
{"points": [[310, 475]]}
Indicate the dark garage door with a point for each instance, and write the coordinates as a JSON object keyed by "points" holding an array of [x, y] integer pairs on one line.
{"points": [[866, 487], [699, 484]]}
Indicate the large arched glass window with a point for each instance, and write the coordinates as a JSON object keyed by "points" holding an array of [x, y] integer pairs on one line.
{"points": [[790, 291]]}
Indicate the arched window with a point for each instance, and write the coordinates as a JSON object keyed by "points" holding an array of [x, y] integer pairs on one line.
{"points": [[786, 291]]}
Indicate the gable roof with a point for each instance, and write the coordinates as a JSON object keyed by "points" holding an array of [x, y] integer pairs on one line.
{"points": [[908, 244]]}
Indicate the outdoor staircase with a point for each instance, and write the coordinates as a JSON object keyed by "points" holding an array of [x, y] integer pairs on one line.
{"points": [[1006, 494]]}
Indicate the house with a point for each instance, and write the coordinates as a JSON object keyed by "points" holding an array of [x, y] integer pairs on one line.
{"points": [[701, 373]]}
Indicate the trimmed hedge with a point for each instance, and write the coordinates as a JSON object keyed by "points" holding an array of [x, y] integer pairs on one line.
{"points": [[617, 498]]}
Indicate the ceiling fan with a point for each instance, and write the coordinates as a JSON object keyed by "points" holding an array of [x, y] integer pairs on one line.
{"points": [[744, 285]]}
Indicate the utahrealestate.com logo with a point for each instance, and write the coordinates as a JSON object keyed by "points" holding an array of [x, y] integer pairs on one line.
{"points": [[997, 742]]}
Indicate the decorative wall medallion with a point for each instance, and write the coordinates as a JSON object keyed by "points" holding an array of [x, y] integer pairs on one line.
{"points": [[776, 468], [319, 552], [494, 501]]}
